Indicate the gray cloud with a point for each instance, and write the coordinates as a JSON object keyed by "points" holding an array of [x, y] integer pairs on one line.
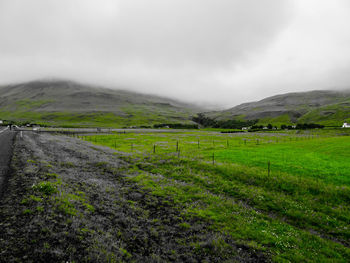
{"points": [[215, 51]]}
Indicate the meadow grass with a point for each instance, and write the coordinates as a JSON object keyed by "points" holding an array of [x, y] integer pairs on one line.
{"points": [[295, 209], [90, 119], [136, 115]]}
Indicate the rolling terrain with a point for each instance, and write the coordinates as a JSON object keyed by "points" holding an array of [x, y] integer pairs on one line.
{"points": [[330, 108], [70, 104], [152, 195]]}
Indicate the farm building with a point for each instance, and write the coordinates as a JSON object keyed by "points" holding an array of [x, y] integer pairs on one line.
{"points": [[346, 125]]}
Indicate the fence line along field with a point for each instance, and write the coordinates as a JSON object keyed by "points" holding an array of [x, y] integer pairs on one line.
{"points": [[285, 193]]}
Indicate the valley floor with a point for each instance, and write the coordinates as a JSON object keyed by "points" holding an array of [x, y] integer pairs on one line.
{"points": [[68, 200]]}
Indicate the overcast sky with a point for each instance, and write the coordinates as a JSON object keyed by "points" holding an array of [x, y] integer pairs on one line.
{"points": [[218, 52]]}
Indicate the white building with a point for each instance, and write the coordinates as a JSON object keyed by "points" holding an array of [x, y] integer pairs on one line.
{"points": [[1, 122], [346, 125]]}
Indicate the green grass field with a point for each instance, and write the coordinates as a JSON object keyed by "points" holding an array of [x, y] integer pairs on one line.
{"points": [[285, 193], [93, 119], [29, 111]]}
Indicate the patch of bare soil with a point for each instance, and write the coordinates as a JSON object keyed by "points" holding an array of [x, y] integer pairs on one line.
{"points": [[68, 200]]}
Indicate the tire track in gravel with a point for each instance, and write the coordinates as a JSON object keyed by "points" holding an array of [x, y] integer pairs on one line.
{"points": [[6, 143]]}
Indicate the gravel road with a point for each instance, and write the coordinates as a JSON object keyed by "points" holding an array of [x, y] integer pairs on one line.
{"points": [[6, 143]]}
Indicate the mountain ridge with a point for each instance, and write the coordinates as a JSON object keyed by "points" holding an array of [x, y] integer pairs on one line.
{"points": [[64, 102], [292, 107], [70, 103]]}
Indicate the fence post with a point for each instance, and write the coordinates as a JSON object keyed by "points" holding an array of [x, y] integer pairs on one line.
{"points": [[213, 158], [268, 168], [154, 148], [177, 146]]}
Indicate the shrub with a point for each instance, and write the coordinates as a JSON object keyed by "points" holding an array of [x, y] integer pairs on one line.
{"points": [[47, 188]]}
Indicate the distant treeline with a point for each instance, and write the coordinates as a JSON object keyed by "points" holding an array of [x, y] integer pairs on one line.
{"points": [[237, 131], [252, 124], [303, 126], [227, 124], [176, 126]]}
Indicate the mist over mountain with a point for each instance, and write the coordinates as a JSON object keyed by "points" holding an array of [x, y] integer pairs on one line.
{"points": [[68, 102], [215, 52]]}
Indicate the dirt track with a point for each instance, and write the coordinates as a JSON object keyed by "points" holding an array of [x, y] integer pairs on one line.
{"points": [[68, 200], [6, 143]]}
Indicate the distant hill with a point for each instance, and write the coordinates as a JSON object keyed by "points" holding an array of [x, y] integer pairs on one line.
{"points": [[72, 104], [67, 103], [330, 108]]}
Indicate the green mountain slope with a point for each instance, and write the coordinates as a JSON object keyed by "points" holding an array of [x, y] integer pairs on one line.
{"points": [[330, 115], [67, 103], [323, 107]]}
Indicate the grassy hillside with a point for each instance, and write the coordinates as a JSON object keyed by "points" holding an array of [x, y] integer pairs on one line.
{"points": [[65, 103], [330, 115], [70, 104], [323, 107]]}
